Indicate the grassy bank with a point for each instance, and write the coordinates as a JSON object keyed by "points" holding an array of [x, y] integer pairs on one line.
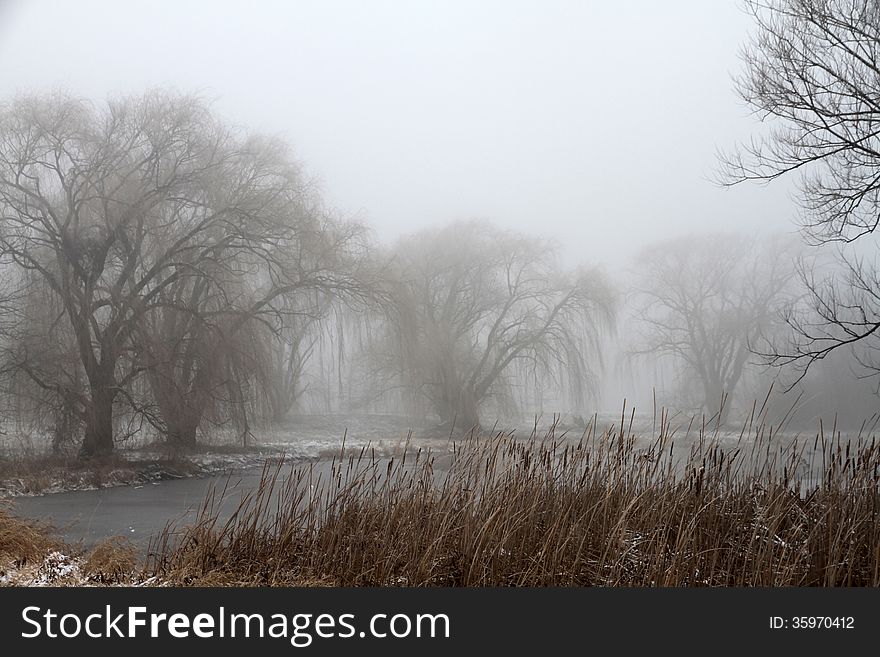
{"points": [[31, 556], [42, 473], [550, 511], [608, 509]]}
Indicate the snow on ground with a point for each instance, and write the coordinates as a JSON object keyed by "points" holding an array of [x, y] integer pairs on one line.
{"points": [[60, 569], [56, 569], [310, 437], [306, 437]]}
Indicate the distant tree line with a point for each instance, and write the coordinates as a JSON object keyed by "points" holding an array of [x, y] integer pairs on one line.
{"points": [[154, 259], [163, 271]]}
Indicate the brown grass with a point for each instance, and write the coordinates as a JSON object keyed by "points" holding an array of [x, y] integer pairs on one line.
{"points": [[31, 554], [112, 561], [551, 511], [22, 541], [34, 474]]}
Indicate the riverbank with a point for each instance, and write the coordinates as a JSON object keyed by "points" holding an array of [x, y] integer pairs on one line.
{"points": [[494, 511], [32, 555], [28, 475], [28, 467]]}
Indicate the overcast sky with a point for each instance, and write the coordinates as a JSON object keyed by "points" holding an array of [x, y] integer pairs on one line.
{"points": [[595, 123]]}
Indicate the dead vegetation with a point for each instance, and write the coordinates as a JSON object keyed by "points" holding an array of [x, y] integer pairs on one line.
{"points": [[31, 474], [30, 555], [607, 509], [112, 561], [38, 474], [22, 541], [550, 511]]}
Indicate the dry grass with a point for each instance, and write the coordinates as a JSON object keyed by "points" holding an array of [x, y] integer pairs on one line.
{"points": [[31, 555], [550, 511], [36, 474], [112, 561], [29, 473], [22, 541]]}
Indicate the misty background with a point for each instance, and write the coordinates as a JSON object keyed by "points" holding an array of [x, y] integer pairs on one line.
{"points": [[593, 125], [440, 293]]}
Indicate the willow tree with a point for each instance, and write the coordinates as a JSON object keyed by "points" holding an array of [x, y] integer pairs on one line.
{"points": [[41, 371], [222, 346], [706, 302], [469, 301], [148, 212], [291, 347]]}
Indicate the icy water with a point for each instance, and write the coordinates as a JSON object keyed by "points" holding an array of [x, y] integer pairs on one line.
{"points": [[139, 512]]}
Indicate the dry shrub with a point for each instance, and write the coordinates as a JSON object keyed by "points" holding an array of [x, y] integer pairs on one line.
{"points": [[22, 541], [36, 474], [551, 511], [112, 561]]}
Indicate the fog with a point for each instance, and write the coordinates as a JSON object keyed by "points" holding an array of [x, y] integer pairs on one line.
{"points": [[434, 149], [427, 293], [592, 123]]}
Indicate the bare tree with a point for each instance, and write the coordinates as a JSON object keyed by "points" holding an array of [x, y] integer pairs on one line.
{"points": [[840, 311], [13, 308], [291, 348], [43, 376], [212, 338], [812, 72], [152, 213], [470, 301], [812, 69], [705, 301]]}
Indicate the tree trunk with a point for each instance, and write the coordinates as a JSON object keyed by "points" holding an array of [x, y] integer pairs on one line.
{"points": [[468, 417], [182, 433], [98, 440], [181, 405], [182, 416], [717, 402], [282, 401], [66, 427], [462, 411]]}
